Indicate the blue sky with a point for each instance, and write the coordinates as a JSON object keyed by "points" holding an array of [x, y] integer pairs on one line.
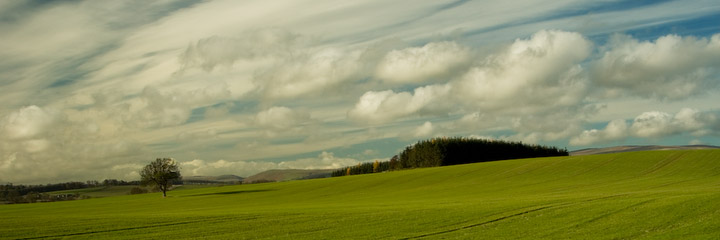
{"points": [[95, 89]]}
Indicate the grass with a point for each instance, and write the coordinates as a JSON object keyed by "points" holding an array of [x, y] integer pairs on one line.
{"points": [[646, 195], [113, 191]]}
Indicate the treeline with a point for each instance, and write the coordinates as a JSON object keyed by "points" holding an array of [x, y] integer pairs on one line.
{"points": [[206, 182], [115, 182], [363, 168], [452, 151], [10, 193], [33, 197]]}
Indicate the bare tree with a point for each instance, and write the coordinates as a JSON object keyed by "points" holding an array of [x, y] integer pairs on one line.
{"points": [[161, 173]]}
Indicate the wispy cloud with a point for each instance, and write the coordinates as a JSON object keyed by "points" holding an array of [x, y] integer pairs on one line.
{"points": [[91, 90]]}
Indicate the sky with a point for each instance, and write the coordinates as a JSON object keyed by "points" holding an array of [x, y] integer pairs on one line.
{"points": [[95, 90]]}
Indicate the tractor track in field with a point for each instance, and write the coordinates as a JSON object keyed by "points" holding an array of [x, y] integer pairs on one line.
{"points": [[601, 216], [551, 206], [136, 228], [661, 164], [478, 224]]}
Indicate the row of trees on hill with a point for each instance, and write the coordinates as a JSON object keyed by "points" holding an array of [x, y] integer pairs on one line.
{"points": [[33, 197], [451, 151], [161, 173], [22, 190], [10, 193], [363, 168]]}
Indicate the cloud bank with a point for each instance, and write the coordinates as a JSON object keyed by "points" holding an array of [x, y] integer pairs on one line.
{"points": [[670, 67], [227, 87], [654, 124]]}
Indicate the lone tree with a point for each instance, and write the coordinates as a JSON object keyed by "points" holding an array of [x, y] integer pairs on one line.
{"points": [[161, 173]]}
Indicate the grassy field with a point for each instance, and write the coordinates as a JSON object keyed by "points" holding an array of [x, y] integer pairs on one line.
{"points": [[112, 191], [647, 195]]}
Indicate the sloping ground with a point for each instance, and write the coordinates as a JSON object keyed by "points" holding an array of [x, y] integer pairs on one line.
{"points": [[229, 179], [639, 195], [109, 191], [113, 191], [633, 148], [280, 175]]}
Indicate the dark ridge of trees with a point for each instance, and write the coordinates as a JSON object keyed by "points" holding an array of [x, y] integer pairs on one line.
{"points": [[10, 193], [363, 168], [452, 151], [262, 181], [205, 182], [115, 182]]}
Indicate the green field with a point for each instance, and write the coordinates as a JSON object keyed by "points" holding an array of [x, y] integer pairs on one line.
{"points": [[647, 195], [112, 191]]}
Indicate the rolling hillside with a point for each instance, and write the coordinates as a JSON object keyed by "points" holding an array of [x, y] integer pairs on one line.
{"points": [[222, 179], [280, 175], [636, 148], [646, 195]]}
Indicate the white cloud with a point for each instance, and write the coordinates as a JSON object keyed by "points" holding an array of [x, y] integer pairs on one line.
{"points": [[424, 130], [671, 67], [529, 76], [325, 160], [123, 82], [385, 106], [370, 152], [653, 124], [26, 122], [8, 162], [40, 145], [217, 51], [615, 130], [658, 124], [36, 145], [128, 166], [550, 85], [279, 118], [199, 167], [283, 65], [319, 71], [157, 109], [694, 121], [474, 121], [200, 135], [435, 60]]}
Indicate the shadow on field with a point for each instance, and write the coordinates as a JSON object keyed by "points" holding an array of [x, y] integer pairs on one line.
{"points": [[231, 192]]}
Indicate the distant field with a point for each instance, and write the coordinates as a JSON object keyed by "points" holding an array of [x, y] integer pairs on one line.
{"points": [[279, 175], [635, 148], [112, 191], [646, 195]]}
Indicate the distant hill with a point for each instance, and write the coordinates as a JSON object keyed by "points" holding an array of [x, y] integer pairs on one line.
{"points": [[635, 148], [222, 179], [279, 175]]}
